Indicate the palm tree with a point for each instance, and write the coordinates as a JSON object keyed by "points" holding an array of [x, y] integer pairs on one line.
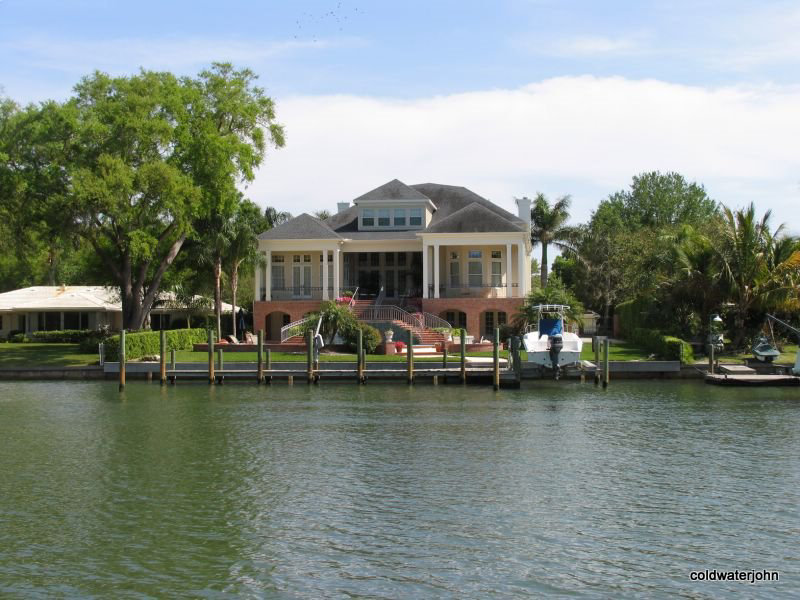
{"points": [[548, 227], [759, 267], [274, 217], [242, 246]]}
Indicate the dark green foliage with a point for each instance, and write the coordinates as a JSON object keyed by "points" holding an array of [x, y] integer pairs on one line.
{"points": [[634, 314], [17, 338], [553, 293], [148, 343], [88, 339], [663, 346], [371, 337]]}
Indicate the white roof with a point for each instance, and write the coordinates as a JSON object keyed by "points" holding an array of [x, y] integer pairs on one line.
{"points": [[74, 297], [56, 297]]}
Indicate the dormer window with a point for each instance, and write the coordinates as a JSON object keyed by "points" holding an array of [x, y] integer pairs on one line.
{"points": [[415, 219], [399, 217], [383, 217], [368, 217]]}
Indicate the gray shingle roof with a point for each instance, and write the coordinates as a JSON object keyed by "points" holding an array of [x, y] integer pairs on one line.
{"points": [[394, 190], [448, 199], [302, 227], [473, 218]]}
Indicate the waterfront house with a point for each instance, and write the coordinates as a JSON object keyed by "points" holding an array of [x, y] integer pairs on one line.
{"points": [[441, 252], [50, 308]]}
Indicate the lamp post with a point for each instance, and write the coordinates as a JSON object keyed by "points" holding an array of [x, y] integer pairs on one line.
{"points": [[715, 341]]}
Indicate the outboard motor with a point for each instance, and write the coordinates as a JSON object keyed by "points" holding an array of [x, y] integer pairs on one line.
{"points": [[556, 345]]}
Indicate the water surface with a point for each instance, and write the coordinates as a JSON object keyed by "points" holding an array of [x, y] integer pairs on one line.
{"points": [[382, 491]]}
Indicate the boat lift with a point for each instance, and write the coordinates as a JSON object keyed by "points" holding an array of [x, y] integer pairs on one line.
{"points": [[796, 332]]}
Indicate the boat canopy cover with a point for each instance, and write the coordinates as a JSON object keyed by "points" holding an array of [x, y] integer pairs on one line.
{"points": [[550, 327]]}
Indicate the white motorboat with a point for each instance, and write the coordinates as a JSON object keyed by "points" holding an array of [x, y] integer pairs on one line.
{"points": [[551, 345]]}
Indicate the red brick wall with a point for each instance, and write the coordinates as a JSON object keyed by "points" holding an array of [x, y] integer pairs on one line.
{"points": [[294, 308], [473, 308]]}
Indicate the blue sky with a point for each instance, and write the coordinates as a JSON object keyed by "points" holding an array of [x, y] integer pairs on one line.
{"points": [[507, 98]]}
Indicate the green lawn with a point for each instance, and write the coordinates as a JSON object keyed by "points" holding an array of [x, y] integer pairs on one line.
{"points": [[44, 355], [787, 356], [59, 355]]}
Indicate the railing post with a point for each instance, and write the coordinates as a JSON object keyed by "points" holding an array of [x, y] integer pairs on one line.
{"points": [[122, 360], [410, 357], [260, 372], [463, 355], [211, 377], [496, 359], [163, 357]]}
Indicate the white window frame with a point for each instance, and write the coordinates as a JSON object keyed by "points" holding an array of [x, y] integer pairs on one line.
{"points": [[368, 213], [399, 213], [415, 214]]}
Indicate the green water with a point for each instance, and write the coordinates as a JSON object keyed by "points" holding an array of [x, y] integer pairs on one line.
{"points": [[382, 491]]}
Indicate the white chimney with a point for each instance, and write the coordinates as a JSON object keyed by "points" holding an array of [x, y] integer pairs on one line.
{"points": [[342, 206], [524, 209]]}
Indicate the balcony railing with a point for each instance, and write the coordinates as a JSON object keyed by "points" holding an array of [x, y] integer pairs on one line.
{"points": [[300, 292], [484, 290]]}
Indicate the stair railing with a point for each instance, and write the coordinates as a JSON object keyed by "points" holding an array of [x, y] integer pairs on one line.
{"points": [[353, 299], [292, 329], [431, 321], [386, 313]]}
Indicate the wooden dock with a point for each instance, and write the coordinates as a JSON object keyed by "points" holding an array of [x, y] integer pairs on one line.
{"points": [[751, 380]]}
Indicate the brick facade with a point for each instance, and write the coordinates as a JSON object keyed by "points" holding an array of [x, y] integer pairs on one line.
{"points": [[473, 308], [294, 308]]}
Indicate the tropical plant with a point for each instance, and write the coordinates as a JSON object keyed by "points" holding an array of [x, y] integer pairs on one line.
{"points": [[758, 266], [273, 217], [548, 226], [554, 293]]}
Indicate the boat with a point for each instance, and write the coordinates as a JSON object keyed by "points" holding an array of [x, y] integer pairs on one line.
{"points": [[764, 351], [551, 345]]}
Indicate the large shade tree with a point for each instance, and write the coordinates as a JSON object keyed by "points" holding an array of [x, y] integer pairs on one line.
{"points": [[135, 165]]}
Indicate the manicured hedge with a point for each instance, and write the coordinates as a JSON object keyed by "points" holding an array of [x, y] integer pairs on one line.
{"points": [[148, 343], [632, 315], [666, 347]]}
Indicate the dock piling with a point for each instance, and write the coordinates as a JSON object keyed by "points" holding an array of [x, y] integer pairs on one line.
{"points": [[496, 359], [606, 373], [260, 372], [163, 358], [596, 348], [221, 363], [360, 357], [122, 360], [268, 362], [410, 357], [463, 355], [516, 357], [211, 377], [310, 355]]}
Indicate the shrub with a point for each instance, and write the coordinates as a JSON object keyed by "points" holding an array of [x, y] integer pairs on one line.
{"points": [[17, 338], [146, 343], [371, 337], [63, 336], [633, 314], [666, 347]]}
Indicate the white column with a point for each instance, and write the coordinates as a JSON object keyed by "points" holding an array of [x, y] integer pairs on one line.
{"points": [[436, 262], [325, 275], [509, 269], [268, 277], [523, 281], [425, 275], [336, 259], [257, 282]]}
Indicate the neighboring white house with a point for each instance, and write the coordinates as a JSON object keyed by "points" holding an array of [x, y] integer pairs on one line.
{"points": [[48, 308], [437, 249]]}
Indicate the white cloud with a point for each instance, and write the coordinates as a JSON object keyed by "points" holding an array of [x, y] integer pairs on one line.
{"points": [[584, 46], [582, 135]]}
